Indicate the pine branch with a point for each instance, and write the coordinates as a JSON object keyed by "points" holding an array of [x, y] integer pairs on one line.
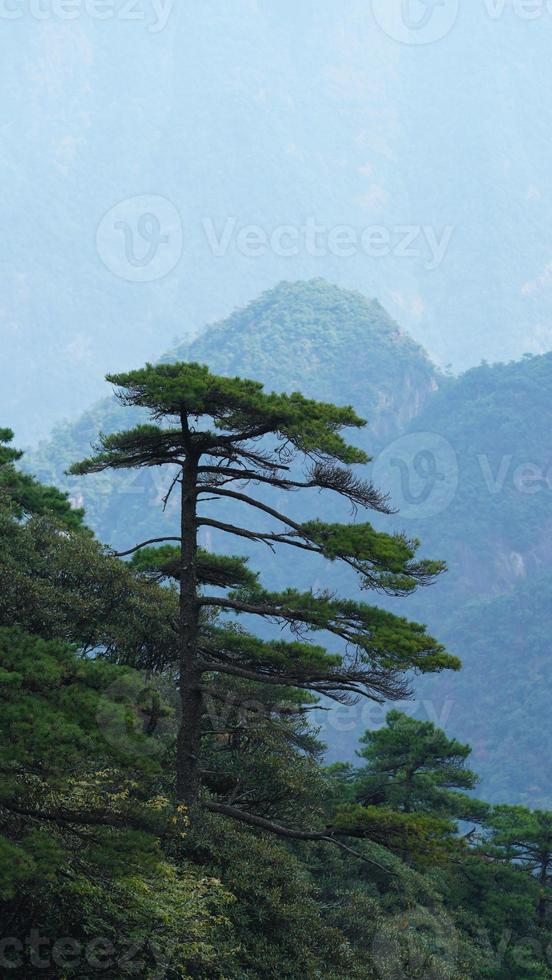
{"points": [[376, 686], [329, 837]]}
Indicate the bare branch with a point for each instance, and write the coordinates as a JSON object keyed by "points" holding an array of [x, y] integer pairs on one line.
{"points": [[138, 547]]}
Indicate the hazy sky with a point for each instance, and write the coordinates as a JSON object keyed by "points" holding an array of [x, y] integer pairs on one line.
{"points": [[163, 163]]}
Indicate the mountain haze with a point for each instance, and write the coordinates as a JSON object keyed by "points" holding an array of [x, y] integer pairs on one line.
{"points": [[246, 113]]}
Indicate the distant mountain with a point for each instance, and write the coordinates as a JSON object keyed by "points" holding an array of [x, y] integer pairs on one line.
{"points": [[309, 336], [496, 528], [494, 607], [329, 343]]}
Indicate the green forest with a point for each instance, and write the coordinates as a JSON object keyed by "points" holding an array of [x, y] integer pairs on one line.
{"points": [[167, 805]]}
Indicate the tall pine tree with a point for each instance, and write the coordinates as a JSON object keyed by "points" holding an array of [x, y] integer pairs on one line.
{"points": [[221, 439]]}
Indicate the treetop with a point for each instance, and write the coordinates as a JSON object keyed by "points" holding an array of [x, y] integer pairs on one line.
{"points": [[240, 407]]}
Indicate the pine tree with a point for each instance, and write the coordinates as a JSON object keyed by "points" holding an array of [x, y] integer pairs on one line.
{"points": [[218, 437], [414, 767], [524, 837]]}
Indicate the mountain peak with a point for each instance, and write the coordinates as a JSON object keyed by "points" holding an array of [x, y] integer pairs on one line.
{"points": [[329, 343]]}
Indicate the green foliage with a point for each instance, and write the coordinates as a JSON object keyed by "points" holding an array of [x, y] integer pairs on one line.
{"points": [[413, 766], [49, 703], [277, 922], [246, 648], [73, 862], [421, 837], [220, 571], [84, 832], [26, 495], [385, 561], [59, 584], [489, 914], [233, 405], [386, 639]]}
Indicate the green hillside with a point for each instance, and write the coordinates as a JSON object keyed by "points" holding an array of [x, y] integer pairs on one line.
{"points": [[496, 529], [501, 698], [494, 608], [282, 867]]}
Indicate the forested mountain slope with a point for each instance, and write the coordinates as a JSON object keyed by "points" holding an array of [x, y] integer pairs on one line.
{"points": [[495, 530], [312, 336], [501, 698], [494, 608]]}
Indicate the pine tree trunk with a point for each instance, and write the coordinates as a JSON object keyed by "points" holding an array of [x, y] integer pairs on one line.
{"points": [[189, 734]]}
